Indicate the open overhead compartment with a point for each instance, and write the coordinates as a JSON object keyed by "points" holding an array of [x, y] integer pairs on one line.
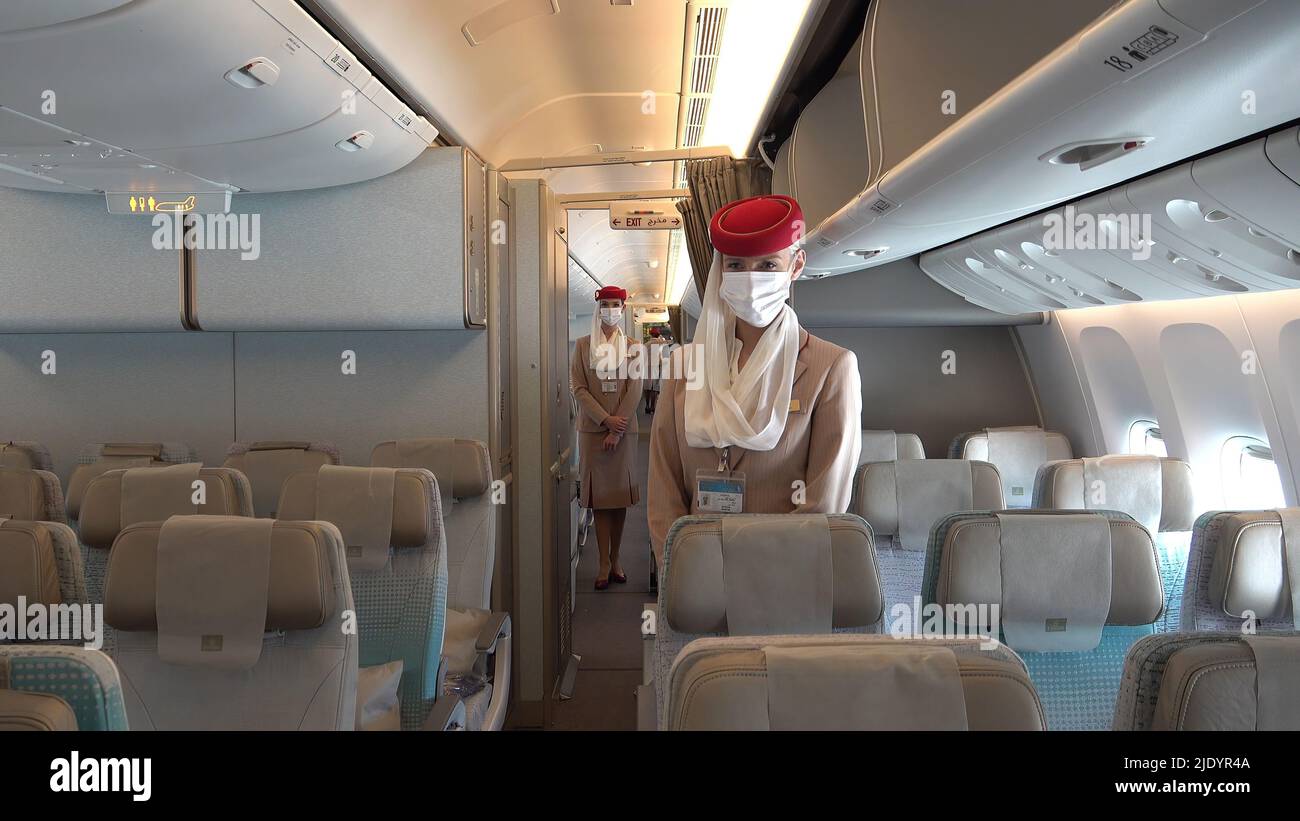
{"points": [[190, 95], [1227, 223], [1143, 86]]}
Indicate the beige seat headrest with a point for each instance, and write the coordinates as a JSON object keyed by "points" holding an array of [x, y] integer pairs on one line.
{"points": [[100, 458], [970, 568], [22, 710], [412, 502], [25, 456], [1211, 681], [300, 594], [975, 444], [268, 464], [889, 446], [226, 493], [464, 463], [696, 592], [1248, 561], [31, 495], [728, 684], [28, 563], [878, 487], [1061, 486]]}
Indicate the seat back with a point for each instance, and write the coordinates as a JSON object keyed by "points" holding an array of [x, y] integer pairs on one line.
{"points": [[888, 446], [764, 574], [849, 682], [463, 469], [1243, 567], [902, 501], [1211, 681], [86, 681], [268, 464], [32, 495], [25, 456], [391, 522], [119, 498], [97, 459], [1069, 591], [40, 563], [1156, 491], [1018, 453], [232, 623]]}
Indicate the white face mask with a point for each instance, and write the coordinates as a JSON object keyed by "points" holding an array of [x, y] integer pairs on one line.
{"points": [[755, 296], [611, 316]]}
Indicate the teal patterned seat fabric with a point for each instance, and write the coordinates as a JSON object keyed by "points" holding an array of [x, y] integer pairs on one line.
{"points": [[1078, 687], [1211, 681], [401, 606], [86, 679], [1237, 572], [699, 597]]}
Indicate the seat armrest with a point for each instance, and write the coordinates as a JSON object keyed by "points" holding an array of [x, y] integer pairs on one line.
{"points": [[497, 627], [448, 714], [645, 707]]}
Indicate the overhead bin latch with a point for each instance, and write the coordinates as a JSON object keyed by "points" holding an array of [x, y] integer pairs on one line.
{"points": [[256, 73], [1092, 153]]}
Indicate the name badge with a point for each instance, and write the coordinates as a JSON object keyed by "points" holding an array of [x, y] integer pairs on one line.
{"points": [[795, 407], [720, 491], [609, 387]]}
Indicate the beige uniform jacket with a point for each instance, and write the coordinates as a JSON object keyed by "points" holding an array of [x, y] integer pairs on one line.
{"points": [[820, 446]]}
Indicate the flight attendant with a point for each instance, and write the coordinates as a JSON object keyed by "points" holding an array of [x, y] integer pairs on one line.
{"points": [[761, 416], [600, 379]]}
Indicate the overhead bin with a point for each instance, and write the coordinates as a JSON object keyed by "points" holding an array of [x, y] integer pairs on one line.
{"points": [[67, 265], [404, 252], [1147, 84], [247, 93], [1227, 223]]}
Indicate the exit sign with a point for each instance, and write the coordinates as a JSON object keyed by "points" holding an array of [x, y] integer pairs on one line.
{"points": [[644, 216]]}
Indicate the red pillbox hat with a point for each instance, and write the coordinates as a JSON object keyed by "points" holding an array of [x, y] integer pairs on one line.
{"points": [[757, 226]]}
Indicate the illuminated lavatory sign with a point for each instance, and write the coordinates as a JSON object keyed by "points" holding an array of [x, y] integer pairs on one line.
{"points": [[154, 202]]}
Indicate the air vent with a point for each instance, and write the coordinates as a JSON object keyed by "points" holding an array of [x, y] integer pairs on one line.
{"points": [[357, 142], [866, 253], [503, 15], [707, 43], [256, 73]]}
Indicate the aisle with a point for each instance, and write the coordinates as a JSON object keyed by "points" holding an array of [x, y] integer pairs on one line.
{"points": [[607, 626]]}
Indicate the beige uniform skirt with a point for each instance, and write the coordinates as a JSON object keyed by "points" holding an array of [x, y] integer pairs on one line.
{"points": [[609, 478]]}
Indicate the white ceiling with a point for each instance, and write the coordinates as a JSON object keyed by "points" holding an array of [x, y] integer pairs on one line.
{"points": [[593, 78]]}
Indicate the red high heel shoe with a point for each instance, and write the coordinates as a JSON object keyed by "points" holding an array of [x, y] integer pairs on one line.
{"points": [[601, 584], [618, 578]]}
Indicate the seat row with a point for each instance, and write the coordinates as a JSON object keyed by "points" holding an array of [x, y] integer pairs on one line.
{"points": [[1027, 620], [375, 584], [1061, 593]]}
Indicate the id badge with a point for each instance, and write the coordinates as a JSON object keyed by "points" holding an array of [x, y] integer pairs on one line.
{"points": [[720, 491], [609, 387]]}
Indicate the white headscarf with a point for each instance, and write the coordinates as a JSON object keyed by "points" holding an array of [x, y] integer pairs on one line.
{"points": [[606, 355], [747, 409]]}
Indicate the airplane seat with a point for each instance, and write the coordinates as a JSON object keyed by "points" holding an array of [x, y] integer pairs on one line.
{"points": [[97, 459], [31, 494], [232, 623], [40, 562], [1242, 571], [1156, 491], [760, 575], [474, 634], [1211, 681], [903, 500], [25, 456], [888, 446], [268, 464], [1017, 452], [849, 682], [1073, 590], [49, 687], [120, 498], [391, 523]]}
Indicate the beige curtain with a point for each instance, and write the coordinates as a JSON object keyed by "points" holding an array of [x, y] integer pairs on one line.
{"points": [[714, 183]]}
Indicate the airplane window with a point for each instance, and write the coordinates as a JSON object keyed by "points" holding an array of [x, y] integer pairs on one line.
{"points": [[1144, 438], [1250, 476]]}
